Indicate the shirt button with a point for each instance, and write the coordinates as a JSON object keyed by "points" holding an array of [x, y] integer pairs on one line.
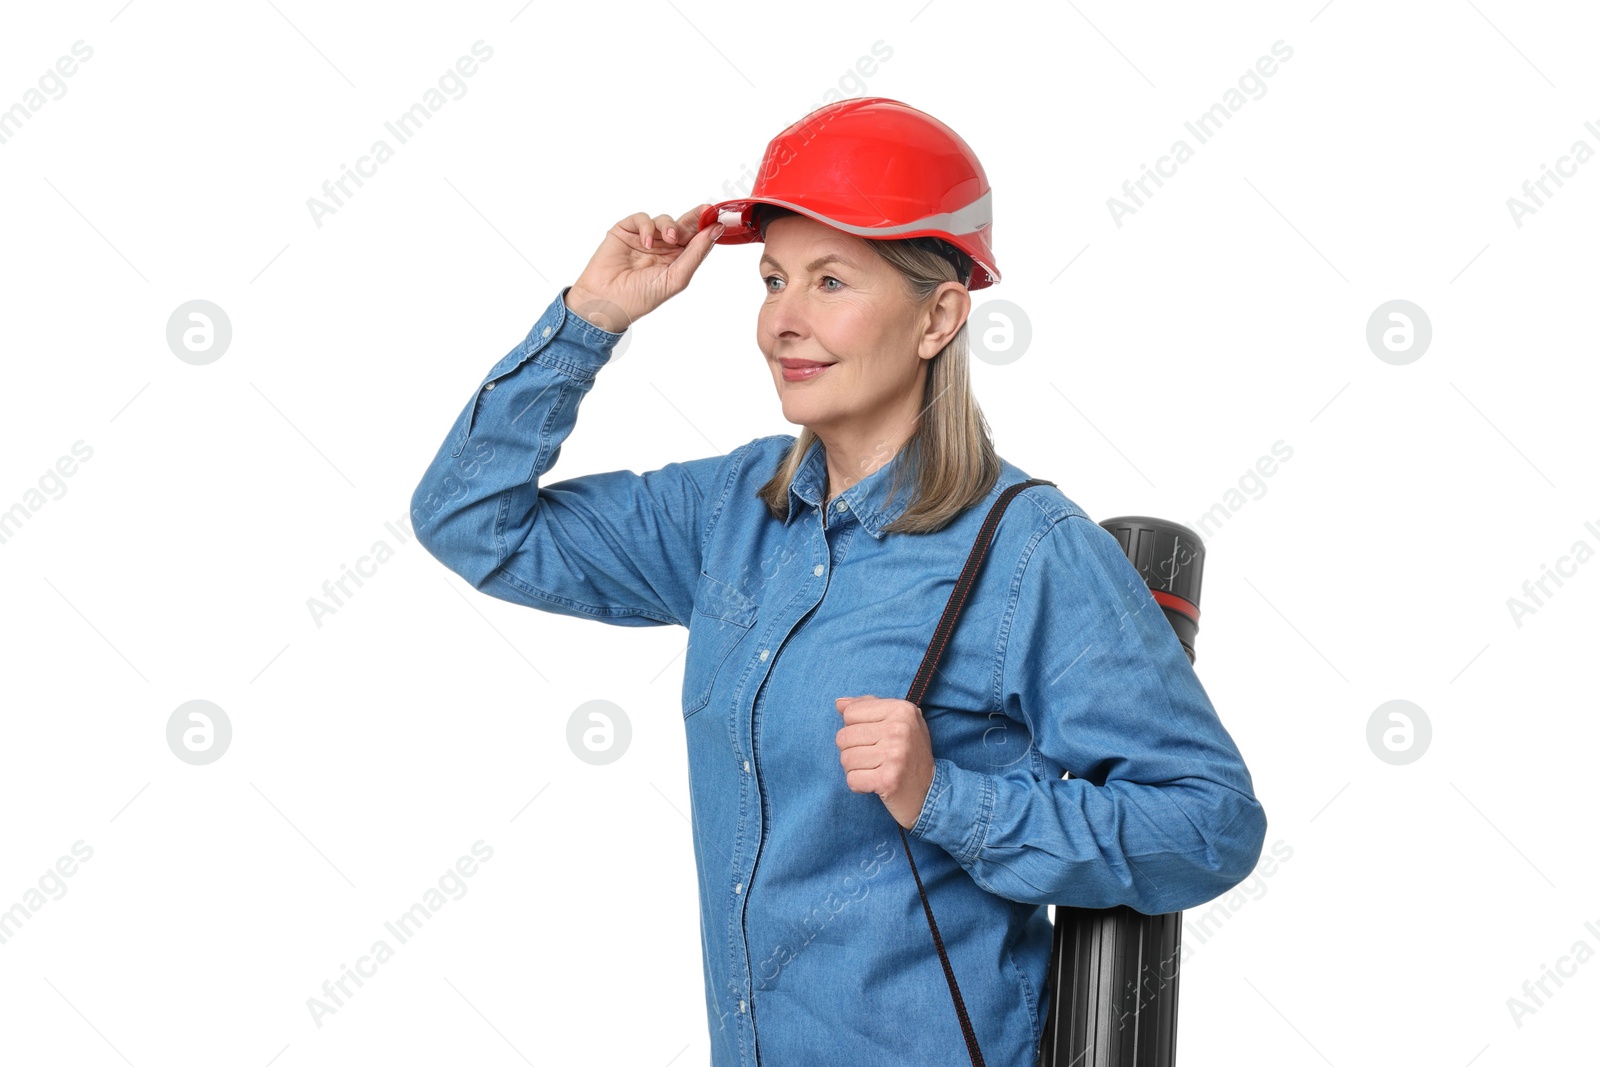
{"points": [[739, 888], [488, 387], [764, 654], [839, 506], [546, 332], [741, 1006], [747, 766], [817, 570]]}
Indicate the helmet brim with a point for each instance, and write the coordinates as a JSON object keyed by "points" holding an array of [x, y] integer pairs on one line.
{"points": [[738, 218]]}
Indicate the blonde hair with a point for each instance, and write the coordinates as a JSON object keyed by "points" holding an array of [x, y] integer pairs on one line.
{"points": [[951, 450]]}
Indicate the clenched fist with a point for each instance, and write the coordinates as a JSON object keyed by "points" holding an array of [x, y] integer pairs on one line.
{"points": [[885, 749]]}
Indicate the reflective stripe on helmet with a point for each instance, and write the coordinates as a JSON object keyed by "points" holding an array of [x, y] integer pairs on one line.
{"points": [[968, 219]]}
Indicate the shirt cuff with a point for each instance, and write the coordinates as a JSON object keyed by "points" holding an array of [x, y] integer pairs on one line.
{"points": [[588, 332], [561, 339], [564, 339], [956, 812]]}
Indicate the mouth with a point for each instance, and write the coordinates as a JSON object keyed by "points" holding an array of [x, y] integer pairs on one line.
{"points": [[798, 370]]}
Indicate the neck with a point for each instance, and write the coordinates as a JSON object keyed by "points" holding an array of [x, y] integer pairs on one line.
{"points": [[853, 457]]}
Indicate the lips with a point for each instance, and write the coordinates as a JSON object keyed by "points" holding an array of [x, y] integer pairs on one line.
{"points": [[802, 370]]}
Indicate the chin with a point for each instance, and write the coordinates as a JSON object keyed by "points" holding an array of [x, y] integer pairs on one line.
{"points": [[801, 412]]}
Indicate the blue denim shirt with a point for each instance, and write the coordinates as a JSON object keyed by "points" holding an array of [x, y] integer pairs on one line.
{"points": [[816, 950]]}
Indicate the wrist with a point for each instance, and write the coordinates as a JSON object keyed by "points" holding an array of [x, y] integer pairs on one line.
{"points": [[576, 298], [597, 312]]}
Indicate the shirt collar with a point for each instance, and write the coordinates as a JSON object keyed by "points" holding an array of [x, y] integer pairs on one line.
{"points": [[867, 499]]}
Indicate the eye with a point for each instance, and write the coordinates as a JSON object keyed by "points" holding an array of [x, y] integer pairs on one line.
{"points": [[767, 282]]}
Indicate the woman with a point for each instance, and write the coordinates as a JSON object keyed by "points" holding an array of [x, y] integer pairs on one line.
{"points": [[810, 572]]}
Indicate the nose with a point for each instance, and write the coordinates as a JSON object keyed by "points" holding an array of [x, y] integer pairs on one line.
{"points": [[783, 315]]}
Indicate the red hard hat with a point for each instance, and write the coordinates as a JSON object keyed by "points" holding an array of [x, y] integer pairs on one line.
{"points": [[875, 168]]}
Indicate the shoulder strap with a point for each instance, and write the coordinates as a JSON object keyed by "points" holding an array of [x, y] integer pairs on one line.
{"points": [[941, 636]]}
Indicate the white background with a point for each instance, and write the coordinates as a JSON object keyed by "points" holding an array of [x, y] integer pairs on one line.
{"points": [[1167, 355]]}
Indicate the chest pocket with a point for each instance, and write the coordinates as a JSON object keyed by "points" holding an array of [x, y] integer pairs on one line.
{"points": [[721, 618]]}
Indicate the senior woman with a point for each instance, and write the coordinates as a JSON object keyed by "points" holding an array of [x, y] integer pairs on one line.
{"points": [[810, 571]]}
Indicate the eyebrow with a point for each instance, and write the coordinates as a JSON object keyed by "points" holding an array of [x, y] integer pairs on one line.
{"points": [[831, 257]]}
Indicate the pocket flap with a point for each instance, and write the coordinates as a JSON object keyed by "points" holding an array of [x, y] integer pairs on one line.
{"points": [[719, 600]]}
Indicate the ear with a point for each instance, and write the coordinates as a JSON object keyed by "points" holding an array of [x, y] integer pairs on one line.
{"points": [[950, 307]]}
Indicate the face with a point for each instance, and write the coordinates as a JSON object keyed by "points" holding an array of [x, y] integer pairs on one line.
{"points": [[831, 300]]}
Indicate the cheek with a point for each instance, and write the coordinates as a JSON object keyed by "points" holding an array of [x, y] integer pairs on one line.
{"points": [[848, 331]]}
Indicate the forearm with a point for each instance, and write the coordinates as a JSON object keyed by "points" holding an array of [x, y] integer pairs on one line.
{"points": [[1069, 841], [1160, 812], [479, 497]]}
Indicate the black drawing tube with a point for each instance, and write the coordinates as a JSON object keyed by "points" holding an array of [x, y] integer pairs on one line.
{"points": [[1113, 980]]}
